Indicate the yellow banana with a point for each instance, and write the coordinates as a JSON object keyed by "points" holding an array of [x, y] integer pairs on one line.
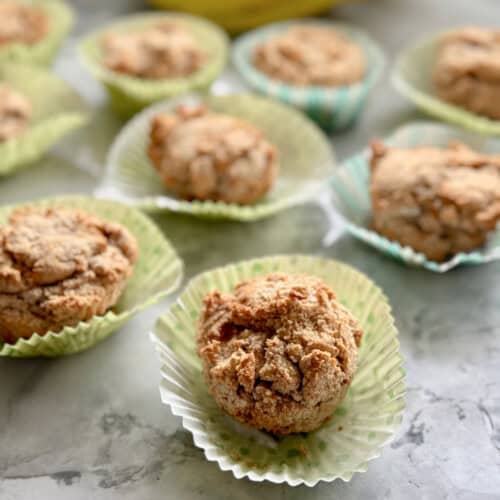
{"points": [[242, 15]]}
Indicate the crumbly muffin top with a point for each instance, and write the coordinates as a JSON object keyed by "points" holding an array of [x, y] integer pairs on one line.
{"points": [[311, 55], [21, 23], [471, 51], [206, 155], [454, 180], [278, 343], [165, 50], [15, 112], [64, 248]]}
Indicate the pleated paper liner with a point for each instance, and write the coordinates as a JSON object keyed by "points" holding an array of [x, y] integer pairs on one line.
{"points": [[364, 422], [130, 94], [333, 108], [306, 159], [412, 77], [57, 110], [60, 20], [350, 186], [157, 272]]}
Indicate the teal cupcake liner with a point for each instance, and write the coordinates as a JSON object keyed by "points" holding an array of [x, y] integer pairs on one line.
{"points": [[157, 272], [60, 17], [57, 110], [305, 165], [350, 189], [333, 108], [363, 423], [129, 94], [412, 77]]}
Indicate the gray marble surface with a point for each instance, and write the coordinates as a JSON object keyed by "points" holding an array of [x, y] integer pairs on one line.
{"points": [[91, 426]]}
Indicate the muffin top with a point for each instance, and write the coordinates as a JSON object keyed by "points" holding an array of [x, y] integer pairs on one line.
{"points": [[65, 248], [21, 23], [59, 267], [457, 175], [279, 352], [165, 50], [209, 156], [311, 55], [472, 51], [15, 112]]}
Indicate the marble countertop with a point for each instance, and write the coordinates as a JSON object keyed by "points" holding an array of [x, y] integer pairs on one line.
{"points": [[91, 426]]}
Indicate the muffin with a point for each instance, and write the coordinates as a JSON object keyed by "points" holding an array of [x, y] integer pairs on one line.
{"points": [[467, 70], [311, 55], [21, 23], [59, 267], [15, 113], [279, 352], [165, 50], [204, 155], [438, 201]]}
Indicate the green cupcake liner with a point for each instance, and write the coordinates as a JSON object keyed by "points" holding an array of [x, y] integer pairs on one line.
{"points": [[412, 77], [350, 186], [60, 17], [333, 108], [157, 272], [364, 422], [57, 110], [130, 94], [306, 159]]}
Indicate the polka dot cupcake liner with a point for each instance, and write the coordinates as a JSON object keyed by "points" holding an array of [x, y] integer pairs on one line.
{"points": [[60, 21], [350, 189], [358, 429], [57, 111], [333, 108], [412, 77], [306, 159], [157, 272], [129, 94]]}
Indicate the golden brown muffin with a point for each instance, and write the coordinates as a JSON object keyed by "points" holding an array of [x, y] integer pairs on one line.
{"points": [[165, 50], [279, 352], [21, 23], [311, 55], [437, 201], [467, 70], [15, 112], [59, 267], [208, 156]]}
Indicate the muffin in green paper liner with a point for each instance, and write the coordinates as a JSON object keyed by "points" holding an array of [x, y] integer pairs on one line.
{"points": [[350, 187], [57, 110], [129, 94], [306, 159], [333, 108], [412, 77], [60, 21], [355, 434], [157, 272]]}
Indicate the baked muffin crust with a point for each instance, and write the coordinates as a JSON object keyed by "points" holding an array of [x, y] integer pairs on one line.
{"points": [[59, 267], [208, 156], [15, 112], [311, 55], [165, 50], [279, 352], [467, 71], [21, 23], [437, 201]]}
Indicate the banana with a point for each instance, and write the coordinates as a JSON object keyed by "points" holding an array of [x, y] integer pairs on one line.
{"points": [[242, 15]]}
